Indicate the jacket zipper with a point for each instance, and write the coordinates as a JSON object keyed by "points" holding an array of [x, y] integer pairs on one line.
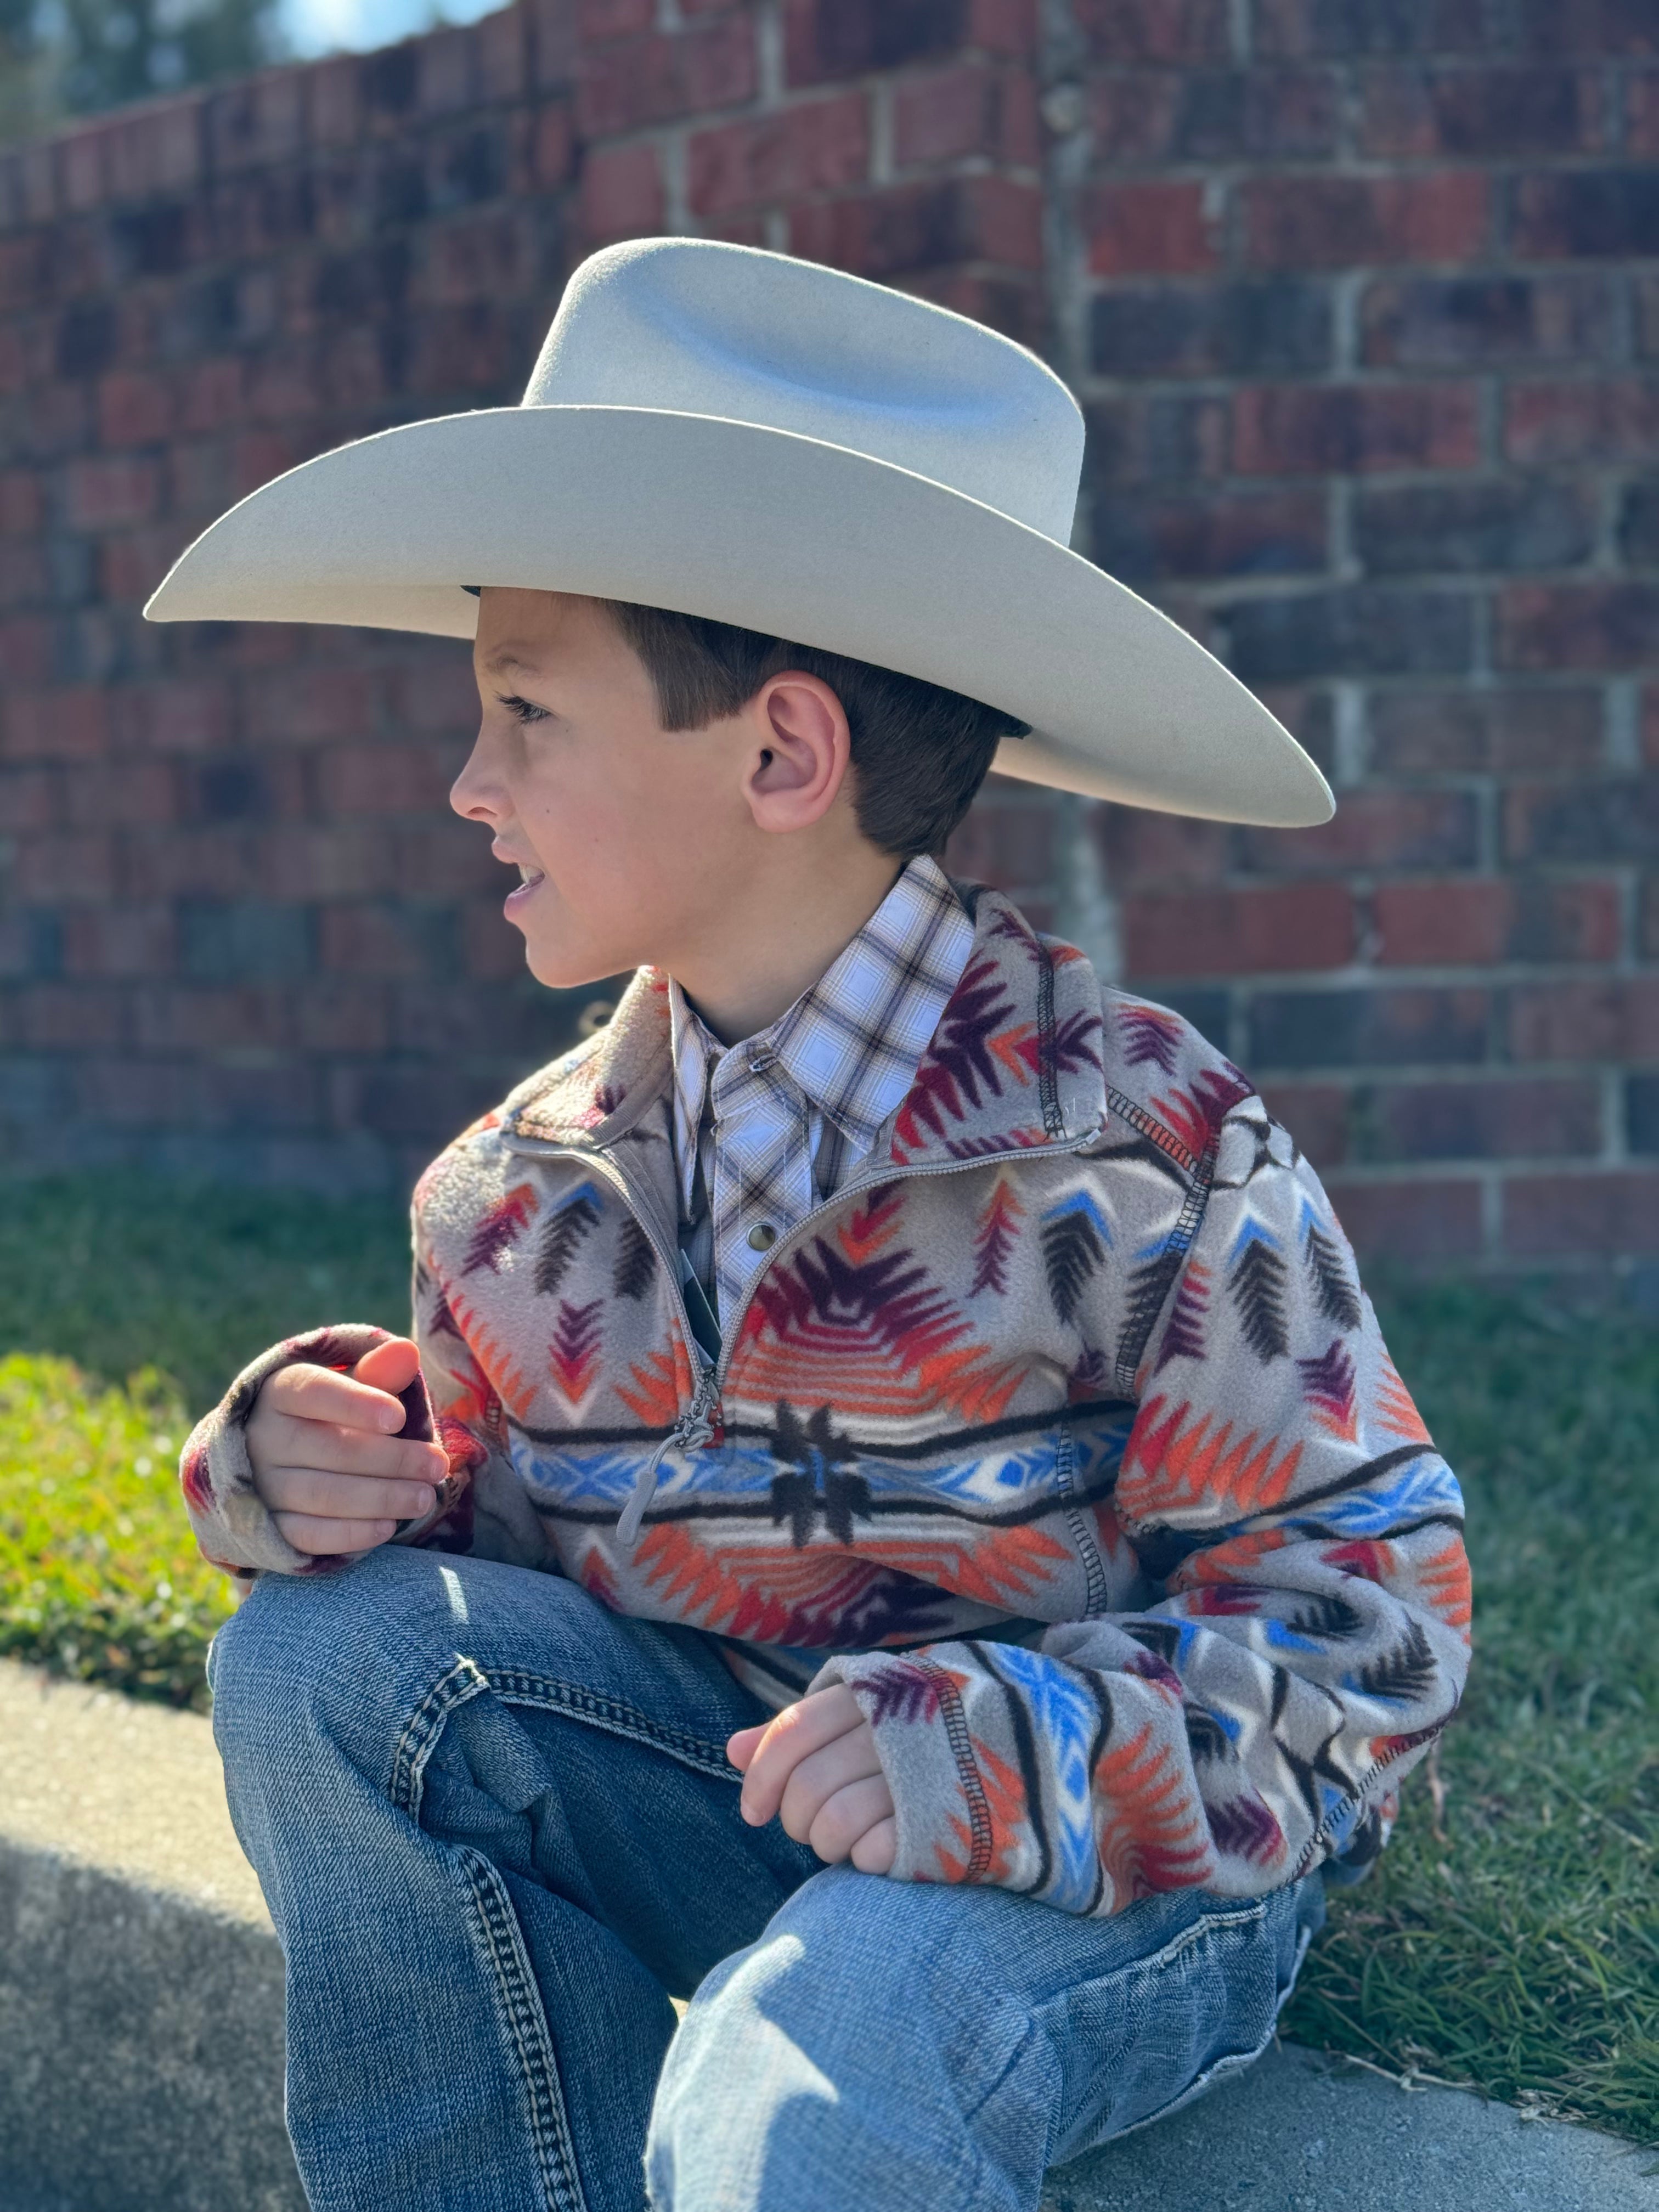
{"points": [[702, 1418]]}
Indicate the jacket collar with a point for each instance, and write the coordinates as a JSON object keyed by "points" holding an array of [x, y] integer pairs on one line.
{"points": [[1014, 1065]]}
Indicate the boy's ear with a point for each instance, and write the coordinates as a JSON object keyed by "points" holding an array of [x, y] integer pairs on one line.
{"points": [[800, 752]]}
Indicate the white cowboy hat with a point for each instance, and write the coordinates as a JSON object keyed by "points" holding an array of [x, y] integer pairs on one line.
{"points": [[743, 436]]}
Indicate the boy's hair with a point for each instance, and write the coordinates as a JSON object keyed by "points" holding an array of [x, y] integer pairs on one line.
{"points": [[920, 753]]}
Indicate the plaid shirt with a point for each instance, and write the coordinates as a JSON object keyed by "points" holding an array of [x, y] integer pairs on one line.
{"points": [[772, 1127]]}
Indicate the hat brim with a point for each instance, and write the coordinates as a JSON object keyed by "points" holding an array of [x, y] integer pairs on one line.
{"points": [[776, 532]]}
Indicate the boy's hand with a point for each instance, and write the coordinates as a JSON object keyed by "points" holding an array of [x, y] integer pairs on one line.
{"points": [[817, 1764], [327, 1458]]}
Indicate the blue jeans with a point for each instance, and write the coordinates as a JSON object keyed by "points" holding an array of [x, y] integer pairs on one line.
{"points": [[497, 1829]]}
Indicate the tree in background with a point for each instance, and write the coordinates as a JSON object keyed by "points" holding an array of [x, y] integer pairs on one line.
{"points": [[63, 57]]}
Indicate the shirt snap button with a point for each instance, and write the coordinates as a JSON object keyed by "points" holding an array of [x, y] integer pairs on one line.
{"points": [[761, 1237]]}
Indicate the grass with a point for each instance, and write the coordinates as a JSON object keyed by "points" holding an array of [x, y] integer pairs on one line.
{"points": [[1509, 1940]]}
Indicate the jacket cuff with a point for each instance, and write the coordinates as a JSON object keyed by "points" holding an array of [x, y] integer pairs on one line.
{"points": [[234, 1529], [944, 1805]]}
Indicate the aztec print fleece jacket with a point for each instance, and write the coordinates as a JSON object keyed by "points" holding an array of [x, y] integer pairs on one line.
{"points": [[1063, 1434]]}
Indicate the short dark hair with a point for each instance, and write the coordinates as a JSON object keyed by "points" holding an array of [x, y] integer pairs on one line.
{"points": [[920, 753]]}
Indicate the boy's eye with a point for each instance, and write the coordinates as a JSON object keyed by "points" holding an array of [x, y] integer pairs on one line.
{"points": [[522, 710]]}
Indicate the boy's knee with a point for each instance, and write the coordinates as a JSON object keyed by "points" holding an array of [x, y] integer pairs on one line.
{"points": [[298, 1655]]}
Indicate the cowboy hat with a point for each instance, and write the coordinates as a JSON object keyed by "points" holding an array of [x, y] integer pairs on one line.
{"points": [[763, 441]]}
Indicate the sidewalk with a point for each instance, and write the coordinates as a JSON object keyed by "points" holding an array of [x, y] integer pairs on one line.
{"points": [[140, 2011]]}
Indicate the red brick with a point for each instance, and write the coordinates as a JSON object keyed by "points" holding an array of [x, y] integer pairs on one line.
{"points": [[1650, 919], [1210, 534], [1335, 222], [1142, 850], [1572, 213], [1508, 1117], [72, 724], [130, 567], [64, 868], [1592, 820], [614, 18], [1411, 113], [1487, 320], [1006, 844], [1138, 117], [1161, 229], [1184, 31], [1347, 29], [210, 1018], [1503, 728], [966, 110], [182, 716], [492, 951], [820, 146], [119, 940], [1316, 1115], [1641, 90], [1589, 419], [75, 1015], [364, 939], [20, 502], [1601, 1018], [130, 1093], [622, 193], [1292, 927], [1650, 725], [503, 61], [1329, 429], [894, 233], [258, 122], [119, 489], [134, 409], [661, 77], [1552, 1217], [338, 1013], [552, 148], [1557, 626], [336, 104], [1372, 829], [448, 859], [406, 778], [332, 860], [123, 794], [31, 798], [156, 150], [302, 706], [1399, 1220], [1476, 922]]}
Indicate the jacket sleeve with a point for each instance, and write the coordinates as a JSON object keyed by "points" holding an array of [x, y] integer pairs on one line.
{"points": [[232, 1528], [1308, 1635], [480, 1507]]}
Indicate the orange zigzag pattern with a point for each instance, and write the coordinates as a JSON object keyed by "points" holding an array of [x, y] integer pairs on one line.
{"points": [[1154, 1835], [1444, 1582], [662, 1384], [817, 1367], [1395, 1412], [1175, 1465], [508, 1381]]}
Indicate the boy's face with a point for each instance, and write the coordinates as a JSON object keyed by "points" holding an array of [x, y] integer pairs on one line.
{"points": [[627, 833]]}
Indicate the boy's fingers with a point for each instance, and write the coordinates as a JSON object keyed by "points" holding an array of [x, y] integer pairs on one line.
{"points": [[319, 1537], [290, 1442], [851, 1758], [308, 1393], [847, 1817], [390, 1366], [740, 1747], [877, 1848], [798, 1730], [324, 1493]]}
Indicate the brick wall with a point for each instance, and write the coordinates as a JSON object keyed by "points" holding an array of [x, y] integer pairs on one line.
{"points": [[1361, 298]]}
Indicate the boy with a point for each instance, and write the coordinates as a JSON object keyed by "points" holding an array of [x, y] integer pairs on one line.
{"points": [[894, 1521]]}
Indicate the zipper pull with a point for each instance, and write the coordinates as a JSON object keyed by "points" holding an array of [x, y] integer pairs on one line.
{"points": [[694, 1428]]}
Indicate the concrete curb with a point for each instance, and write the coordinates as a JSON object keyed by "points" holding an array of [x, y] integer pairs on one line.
{"points": [[140, 2027]]}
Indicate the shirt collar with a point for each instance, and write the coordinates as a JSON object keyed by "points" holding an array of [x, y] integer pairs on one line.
{"points": [[852, 1041]]}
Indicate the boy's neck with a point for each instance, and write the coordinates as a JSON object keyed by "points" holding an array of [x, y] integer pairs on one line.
{"points": [[750, 975]]}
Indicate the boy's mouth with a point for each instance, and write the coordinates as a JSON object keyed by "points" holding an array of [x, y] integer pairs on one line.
{"points": [[532, 877]]}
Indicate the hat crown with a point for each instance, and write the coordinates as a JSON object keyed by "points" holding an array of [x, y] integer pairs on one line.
{"points": [[692, 327]]}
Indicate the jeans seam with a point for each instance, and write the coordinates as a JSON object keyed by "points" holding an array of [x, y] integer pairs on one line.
{"points": [[515, 1688], [425, 1725], [538, 2066]]}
